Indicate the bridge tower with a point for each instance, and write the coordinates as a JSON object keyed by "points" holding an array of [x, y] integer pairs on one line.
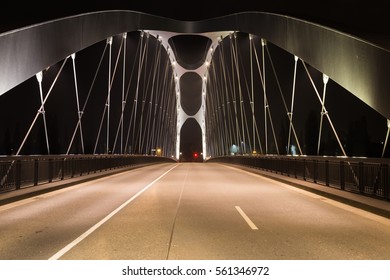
{"points": [[179, 70]]}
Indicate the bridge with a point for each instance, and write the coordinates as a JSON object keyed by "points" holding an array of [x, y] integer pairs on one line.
{"points": [[249, 136]]}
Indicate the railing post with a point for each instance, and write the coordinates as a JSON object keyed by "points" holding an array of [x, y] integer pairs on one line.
{"points": [[361, 177], [327, 173], [79, 166], [304, 169], [36, 173], [342, 175], [315, 171], [72, 167], [18, 177], [385, 183], [285, 166], [62, 168], [50, 170], [89, 166], [295, 167]]}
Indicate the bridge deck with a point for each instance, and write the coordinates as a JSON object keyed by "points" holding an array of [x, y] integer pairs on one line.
{"points": [[190, 211]]}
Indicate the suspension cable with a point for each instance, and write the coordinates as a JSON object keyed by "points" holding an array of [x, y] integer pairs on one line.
{"points": [[159, 88], [263, 87], [108, 97], [217, 112], [265, 98], [387, 138], [323, 112], [327, 114], [156, 64], [253, 49], [245, 128], [158, 107], [289, 113], [41, 107], [87, 99], [234, 98], [125, 94], [252, 101], [229, 97], [140, 68], [111, 76], [126, 98], [250, 95], [79, 112], [42, 111], [237, 67], [123, 90]]}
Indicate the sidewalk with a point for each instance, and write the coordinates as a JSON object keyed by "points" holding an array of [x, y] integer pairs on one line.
{"points": [[370, 204]]}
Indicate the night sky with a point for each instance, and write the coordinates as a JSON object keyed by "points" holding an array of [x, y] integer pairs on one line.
{"points": [[367, 20]]}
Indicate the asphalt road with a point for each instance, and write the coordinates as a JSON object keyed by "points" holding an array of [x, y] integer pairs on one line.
{"points": [[189, 211]]}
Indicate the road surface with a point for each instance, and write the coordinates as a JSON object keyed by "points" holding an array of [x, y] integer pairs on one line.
{"points": [[188, 211]]}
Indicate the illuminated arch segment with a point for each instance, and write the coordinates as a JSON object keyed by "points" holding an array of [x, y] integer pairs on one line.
{"points": [[357, 65]]}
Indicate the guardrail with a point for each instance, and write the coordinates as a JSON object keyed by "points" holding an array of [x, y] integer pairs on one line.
{"points": [[18, 172], [366, 176]]}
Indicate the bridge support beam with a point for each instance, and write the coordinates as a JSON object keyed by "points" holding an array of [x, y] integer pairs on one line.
{"points": [[387, 138], [42, 109]]}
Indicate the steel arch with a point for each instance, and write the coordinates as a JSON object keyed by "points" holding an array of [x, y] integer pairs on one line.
{"points": [[358, 65]]}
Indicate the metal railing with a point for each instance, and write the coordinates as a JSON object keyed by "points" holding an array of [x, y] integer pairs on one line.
{"points": [[18, 172], [366, 176]]}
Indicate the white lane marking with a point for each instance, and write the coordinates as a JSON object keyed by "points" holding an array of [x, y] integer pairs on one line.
{"points": [[346, 207], [246, 218], [68, 247], [177, 211]]}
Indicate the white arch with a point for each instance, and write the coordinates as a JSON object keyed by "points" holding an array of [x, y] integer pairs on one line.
{"points": [[179, 71]]}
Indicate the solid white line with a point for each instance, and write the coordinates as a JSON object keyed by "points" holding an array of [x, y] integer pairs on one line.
{"points": [[68, 247], [246, 218]]}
